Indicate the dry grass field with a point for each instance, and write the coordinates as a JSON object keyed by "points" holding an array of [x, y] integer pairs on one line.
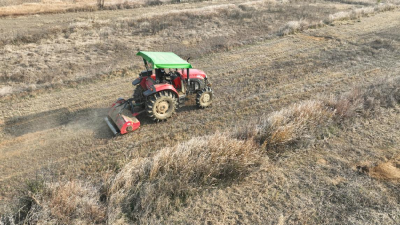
{"points": [[304, 128], [30, 7]]}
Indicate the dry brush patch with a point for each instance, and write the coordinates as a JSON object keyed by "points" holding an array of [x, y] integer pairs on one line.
{"points": [[366, 2], [86, 47], [308, 120], [314, 184], [368, 102], [71, 202], [10, 8], [149, 188], [296, 122], [292, 27], [144, 202], [359, 12], [389, 170]]}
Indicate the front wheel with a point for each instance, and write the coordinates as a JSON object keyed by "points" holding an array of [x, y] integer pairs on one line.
{"points": [[204, 98], [161, 105]]}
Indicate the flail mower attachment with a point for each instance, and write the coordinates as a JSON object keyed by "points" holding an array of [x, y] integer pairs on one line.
{"points": [[121, 118]]}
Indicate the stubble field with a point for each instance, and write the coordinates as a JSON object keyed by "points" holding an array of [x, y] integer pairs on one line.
{"points": [[60, 73]]}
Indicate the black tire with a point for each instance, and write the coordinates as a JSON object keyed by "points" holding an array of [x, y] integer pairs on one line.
{"points": [[138, 94], [204, 98], [160, 106]]}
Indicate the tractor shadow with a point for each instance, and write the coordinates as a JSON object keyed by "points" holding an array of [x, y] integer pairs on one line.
{"points": [[187, 108], [89, 119]]}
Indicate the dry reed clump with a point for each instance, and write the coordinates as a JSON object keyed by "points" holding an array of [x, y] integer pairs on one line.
{"points": [[5, 90], [389, 170], [384, 94], [347, 105], [148, 188], [177, 18], [302, 120], [387, 7], [308, 119], [359, 12], [154, 2], [252, 5], [293, 26], [29, 7], [73, 202], [17, 2], [76, 202]]}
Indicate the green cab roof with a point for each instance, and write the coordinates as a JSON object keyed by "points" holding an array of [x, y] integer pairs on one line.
{"points": [[163, 60]]}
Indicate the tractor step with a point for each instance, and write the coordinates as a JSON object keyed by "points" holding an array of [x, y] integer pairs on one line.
{"points": [[182, 98]]}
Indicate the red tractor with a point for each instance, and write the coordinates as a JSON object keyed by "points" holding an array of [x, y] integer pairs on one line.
{"points": [[159, 93]]}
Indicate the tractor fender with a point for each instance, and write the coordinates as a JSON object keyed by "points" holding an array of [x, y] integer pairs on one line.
{"points": [[160, 87], [137, 81]]}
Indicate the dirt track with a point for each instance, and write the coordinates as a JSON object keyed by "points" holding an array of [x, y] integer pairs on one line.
{"points": [[63, 133]]}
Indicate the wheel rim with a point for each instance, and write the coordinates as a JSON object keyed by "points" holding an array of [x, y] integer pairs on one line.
{"points": [[206, 97], [162, 107]]}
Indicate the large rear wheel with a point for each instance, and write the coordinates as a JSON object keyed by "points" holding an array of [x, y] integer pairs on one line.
{"points": [[204, 98], [138, 94], [161, 105]]}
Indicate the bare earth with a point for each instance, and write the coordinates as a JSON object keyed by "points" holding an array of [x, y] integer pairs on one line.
{"points": [[62, 132]]}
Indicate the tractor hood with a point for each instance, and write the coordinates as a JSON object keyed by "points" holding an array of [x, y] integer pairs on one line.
{"points": [[164, 60], [194, 73]]}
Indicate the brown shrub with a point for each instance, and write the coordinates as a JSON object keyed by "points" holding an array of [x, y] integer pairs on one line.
{"points": [[386, 171], [347, 105], [293, 26], [147, 188], [359, 12], [385, 94], [368, 102], [75, 199], [309, 119], [389, 170], [72, 202], [302, 120]]}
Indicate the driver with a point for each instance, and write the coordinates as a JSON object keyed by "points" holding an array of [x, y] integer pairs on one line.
{"points": [[161, 76]]}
